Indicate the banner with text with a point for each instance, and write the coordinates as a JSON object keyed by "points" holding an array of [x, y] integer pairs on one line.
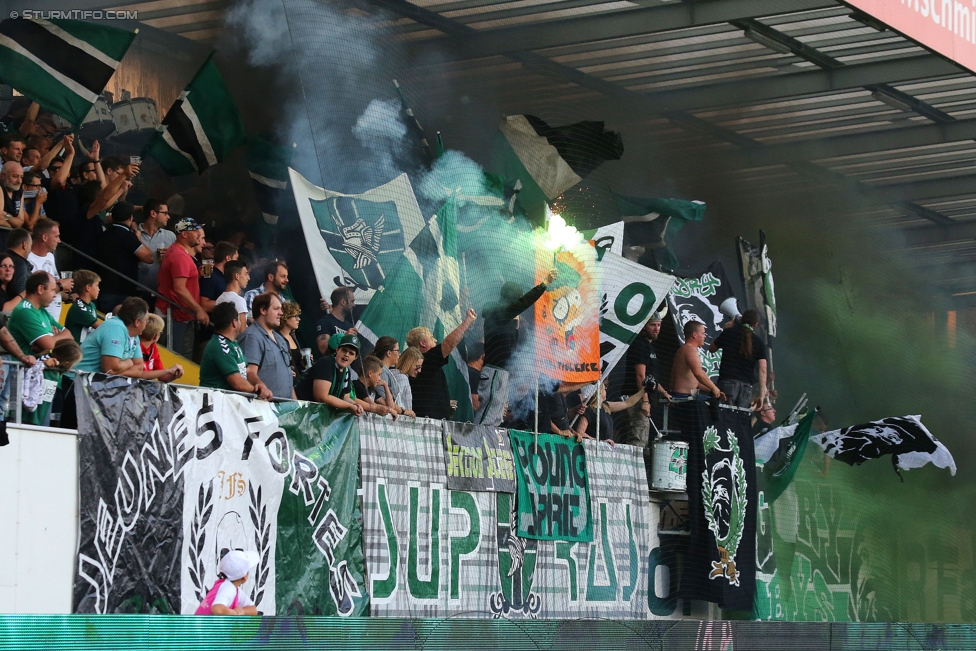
{"points": [[434, 552], [181, 476], [553, 500], [478, 458]]}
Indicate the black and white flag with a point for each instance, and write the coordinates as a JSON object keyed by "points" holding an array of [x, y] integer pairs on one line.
{"points": [[908, 442], [699, 299]]}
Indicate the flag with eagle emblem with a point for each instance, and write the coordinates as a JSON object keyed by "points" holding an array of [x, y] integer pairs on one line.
{"points": [[355, 240]]}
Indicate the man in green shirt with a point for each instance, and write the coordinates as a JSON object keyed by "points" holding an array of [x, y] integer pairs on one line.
{"points": [[35, 330], [223, 365]]}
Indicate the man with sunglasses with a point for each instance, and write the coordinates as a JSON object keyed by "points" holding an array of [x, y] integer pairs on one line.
{"points": [[153, 233]]}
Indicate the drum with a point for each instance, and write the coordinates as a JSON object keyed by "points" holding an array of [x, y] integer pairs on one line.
{"points": [[139, 114], [670, 467], [98, 123]]}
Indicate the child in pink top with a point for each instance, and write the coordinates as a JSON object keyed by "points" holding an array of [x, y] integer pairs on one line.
{"points": [[226, 596]]}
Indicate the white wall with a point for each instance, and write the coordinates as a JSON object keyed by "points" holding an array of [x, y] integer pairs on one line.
{"points": [[38, 519]]}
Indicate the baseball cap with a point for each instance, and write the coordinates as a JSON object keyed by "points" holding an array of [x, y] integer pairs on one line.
{"points": [[339, 340], [237, 563], [187, 224]]}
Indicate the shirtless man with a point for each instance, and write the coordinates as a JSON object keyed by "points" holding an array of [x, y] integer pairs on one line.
{"points": [[687, 374]]}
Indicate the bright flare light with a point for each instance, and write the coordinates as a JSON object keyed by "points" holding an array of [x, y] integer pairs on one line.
{"points": [[559, 234]]}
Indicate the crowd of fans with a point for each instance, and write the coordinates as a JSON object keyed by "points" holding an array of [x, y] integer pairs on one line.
{"points": [[136, 275]]}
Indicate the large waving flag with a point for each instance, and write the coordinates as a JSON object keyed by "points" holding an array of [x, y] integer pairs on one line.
{"points": [[200, 129], [780, 450], [653, 224], [63, 65], [424, 289], [910, 444], [356, 240], [550, 160]]}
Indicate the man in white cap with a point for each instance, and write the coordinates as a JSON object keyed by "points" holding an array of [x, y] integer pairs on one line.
{"points": [[226, 596], [641, 362]]}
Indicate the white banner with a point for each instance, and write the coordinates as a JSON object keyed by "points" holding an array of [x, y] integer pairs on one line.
{"points": [[232, 492]]}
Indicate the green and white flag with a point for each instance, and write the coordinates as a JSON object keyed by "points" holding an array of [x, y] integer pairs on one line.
{"points": [[356, 240], [200, 129], [629, 292], [653, 223], [781, 451], [550, 160], [424, 289], [607, 239], [63, 65]]}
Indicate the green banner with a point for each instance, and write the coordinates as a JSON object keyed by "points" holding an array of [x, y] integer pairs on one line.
{"points": [[553, 490], [319, 557]]}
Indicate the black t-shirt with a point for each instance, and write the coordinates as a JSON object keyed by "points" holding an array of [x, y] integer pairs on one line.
{"points": [[87, 231], [606, 424], [325, 369], [22, 269], [430, 395], [116, 248], [362, 392], [11, 202], [734, 366], [641, 351], [553, 409], [330, 325], [62, 207], [214, 286], [474, 379]]}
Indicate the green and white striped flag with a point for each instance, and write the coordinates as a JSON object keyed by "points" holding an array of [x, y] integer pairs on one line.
{"points": [[63, 65], [424, 289], [550, 160], [200, 129]]}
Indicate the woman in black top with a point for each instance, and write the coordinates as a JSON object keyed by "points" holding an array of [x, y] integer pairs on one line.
{"points": [[290, 319], [8, 301], [742, 352], [585, 426]]}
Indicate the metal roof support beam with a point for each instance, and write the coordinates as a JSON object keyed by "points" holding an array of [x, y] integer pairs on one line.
{"points": [[586, 29], [929, 235], [926, 66], [813, 82], [848, 145]]}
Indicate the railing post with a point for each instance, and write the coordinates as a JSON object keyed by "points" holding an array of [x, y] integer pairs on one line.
{"points": [[169, 328], [15, 395]]}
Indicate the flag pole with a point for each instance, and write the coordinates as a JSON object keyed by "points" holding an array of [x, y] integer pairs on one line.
{"points": [[414, 123], [536, 430], [599, 406]]}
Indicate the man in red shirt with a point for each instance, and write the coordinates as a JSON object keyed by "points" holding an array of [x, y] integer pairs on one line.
{"points": [[179, 282]]}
